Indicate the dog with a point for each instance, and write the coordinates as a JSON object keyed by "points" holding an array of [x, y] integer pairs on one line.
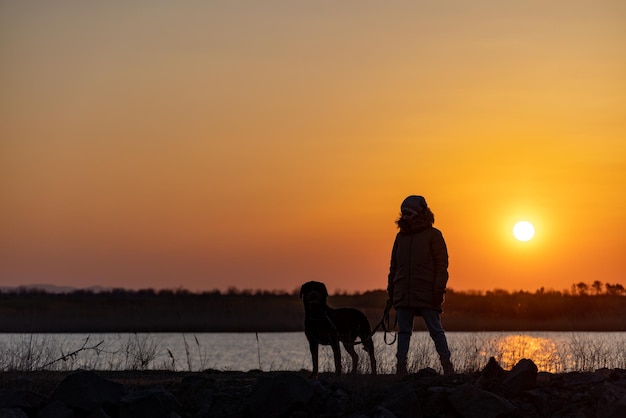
{"points": [[328, 326]]}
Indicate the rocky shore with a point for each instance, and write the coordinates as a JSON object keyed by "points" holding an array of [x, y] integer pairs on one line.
{"points": [[493, 392]]}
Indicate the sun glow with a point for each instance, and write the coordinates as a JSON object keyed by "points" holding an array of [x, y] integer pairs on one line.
{"points": [[542, 351], [523, 230]]}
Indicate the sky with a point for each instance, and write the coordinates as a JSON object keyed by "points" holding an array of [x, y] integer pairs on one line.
{"points": [[258, 145]]}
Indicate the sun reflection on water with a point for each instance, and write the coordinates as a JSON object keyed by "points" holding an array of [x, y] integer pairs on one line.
{"points": [[542, 351]]}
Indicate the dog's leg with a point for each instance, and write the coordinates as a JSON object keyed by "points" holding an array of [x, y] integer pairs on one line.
{"points": [[366, 336], [337, 354], [368, 345], [313, 346], [355, 357]]}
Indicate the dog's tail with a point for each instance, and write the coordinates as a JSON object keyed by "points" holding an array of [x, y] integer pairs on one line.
{"points": [[366, 332], [366, 328]]}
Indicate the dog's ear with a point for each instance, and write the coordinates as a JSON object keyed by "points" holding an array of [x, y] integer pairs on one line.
{"points": [[302, 289], [325, 291]]}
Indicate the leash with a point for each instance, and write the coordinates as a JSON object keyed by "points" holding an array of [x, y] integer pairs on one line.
{"points": [[385, 326]]}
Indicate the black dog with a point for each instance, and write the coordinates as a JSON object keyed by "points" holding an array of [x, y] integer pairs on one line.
{"points": [[328, 326]]}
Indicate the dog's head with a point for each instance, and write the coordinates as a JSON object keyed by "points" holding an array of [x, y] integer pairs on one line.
{"points": [[314, 295]]}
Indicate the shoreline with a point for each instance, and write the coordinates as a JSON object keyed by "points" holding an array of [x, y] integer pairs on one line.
{"points": [[521, 391]]}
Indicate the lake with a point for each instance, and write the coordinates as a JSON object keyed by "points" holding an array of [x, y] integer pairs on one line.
{"points": [[554, 352]]}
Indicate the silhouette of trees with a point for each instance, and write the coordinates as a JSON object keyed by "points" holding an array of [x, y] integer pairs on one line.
{"points": [[597, 287], [595, 306], [615, 289], [580, 288]]}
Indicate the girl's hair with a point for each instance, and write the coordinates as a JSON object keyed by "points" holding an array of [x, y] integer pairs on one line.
{"points": [[422, 218]]}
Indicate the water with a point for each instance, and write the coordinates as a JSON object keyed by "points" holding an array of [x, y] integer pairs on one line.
{"points": [[552, 351]]}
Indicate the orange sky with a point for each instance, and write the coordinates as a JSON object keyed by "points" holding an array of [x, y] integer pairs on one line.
{"points": [[259, 145]]}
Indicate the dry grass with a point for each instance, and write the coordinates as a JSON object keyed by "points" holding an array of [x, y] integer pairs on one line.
{"points": [[470, 353]]}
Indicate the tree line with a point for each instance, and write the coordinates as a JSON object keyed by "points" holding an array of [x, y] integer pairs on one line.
{"points": [[591, 307]]}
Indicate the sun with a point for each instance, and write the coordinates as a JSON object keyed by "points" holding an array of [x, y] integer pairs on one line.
{"points": [[523, 230]]}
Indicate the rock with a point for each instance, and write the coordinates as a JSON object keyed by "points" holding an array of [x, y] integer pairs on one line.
{"points": [[427, 372], [152, 402], [522, 377], [582, 379], [535, 403], [544, 378], [337, 402], [435, 401], [98, 413], [382, 412], [12, 413], [471, 402], [86, 391], [612, 402], [199, 392], [276, 395], [491, 376], [24, 399], [401, 399], [618, 377], [56, 409], [493, 370], [269, 394], [202, 402]]}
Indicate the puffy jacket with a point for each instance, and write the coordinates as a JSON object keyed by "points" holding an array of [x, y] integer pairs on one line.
{"points": [[418, 272]]}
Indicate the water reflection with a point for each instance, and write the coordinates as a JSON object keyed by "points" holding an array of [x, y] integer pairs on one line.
{"points": [[554, 352], [542, 351]]}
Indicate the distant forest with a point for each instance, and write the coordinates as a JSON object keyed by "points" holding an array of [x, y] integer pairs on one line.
{"points": [[585, 307]]}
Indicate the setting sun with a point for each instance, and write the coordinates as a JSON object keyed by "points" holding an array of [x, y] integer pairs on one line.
{"points": [[523, 231]]}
